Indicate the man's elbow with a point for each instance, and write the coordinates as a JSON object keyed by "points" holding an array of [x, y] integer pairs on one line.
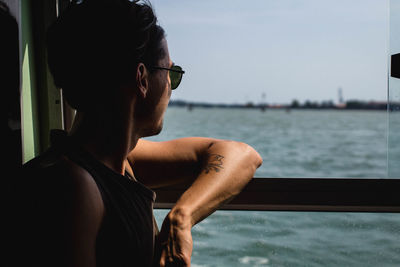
{"points": [[257, 158], [252, 156], [246, 154]]}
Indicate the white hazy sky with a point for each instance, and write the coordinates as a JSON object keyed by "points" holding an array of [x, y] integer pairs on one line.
{"points": [[235, 51]]}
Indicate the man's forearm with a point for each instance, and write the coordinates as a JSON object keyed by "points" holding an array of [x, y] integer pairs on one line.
{"points": [[226, 168]]}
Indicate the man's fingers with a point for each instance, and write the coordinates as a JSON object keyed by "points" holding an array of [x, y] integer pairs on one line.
{"points": [[176, 246], [170, 258], [162, 259]]}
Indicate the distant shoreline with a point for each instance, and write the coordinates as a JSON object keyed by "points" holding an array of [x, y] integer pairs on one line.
{"points": [[348, 105]]}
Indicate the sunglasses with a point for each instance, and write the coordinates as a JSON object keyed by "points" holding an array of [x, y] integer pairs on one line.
{"points": [[175, 75]]}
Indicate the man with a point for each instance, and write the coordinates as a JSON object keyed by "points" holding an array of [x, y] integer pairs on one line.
{"points": [[87, 201]]}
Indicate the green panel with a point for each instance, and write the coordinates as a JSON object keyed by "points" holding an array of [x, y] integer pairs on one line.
{"points": [[30, 125], [42, 109]]}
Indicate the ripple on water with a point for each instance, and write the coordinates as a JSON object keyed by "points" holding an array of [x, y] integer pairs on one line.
{"points": [[253, 261], [201, 232]]}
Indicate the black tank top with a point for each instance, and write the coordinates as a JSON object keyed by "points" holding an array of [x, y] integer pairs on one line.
{"points": [[128, 231], [127, 235]]}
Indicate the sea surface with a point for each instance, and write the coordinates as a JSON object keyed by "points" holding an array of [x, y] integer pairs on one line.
{"points": [[295, 144]]}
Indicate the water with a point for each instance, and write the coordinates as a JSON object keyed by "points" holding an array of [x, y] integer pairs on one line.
{"points": [[293, 144], [300, 143]]}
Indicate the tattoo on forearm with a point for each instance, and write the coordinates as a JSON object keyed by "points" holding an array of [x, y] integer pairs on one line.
{"points": [[214, 163]]}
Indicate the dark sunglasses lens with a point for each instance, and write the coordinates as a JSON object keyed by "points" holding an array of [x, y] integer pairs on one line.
{"points": [[175, 76]]}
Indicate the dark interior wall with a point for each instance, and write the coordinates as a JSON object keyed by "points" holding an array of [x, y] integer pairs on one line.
{"points": [[10, 82]]}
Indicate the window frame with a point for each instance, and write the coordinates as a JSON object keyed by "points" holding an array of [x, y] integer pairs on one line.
{"points": [[310, 194], [305, 194]]}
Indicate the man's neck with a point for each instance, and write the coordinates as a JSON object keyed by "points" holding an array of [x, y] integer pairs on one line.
{"points": [[107, 140]]}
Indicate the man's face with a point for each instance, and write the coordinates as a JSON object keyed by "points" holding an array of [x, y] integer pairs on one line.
{"points": [[158, 95]]}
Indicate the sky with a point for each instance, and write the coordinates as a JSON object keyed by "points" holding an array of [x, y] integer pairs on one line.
{"points": [[276, 51]]}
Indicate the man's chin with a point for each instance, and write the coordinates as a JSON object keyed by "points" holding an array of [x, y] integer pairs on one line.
{"points": [[154, 131], [158, 131]]}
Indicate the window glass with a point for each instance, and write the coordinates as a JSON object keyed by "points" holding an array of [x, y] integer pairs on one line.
{"points": [[247, 238], [330, 58], [307, 80]]}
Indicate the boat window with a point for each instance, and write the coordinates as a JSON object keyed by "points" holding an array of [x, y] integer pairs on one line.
{"points": [[305, 82], [317, 57], [295, 142]]}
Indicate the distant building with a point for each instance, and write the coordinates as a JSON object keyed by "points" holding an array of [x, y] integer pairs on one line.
{"points": [[340, 96]]}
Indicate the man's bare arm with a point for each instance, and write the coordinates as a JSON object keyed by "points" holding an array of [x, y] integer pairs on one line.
{"points": [[158, 164], [62, 210], [226, 169], [220, 169]]}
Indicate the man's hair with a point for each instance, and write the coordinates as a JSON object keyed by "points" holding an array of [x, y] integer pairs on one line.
{"points": [[95, 46]]}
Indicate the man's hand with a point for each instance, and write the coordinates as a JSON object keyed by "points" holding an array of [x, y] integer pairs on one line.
{"points": [[176, 241]]}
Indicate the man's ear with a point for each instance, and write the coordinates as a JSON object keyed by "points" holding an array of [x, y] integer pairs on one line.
{"points": [[142, 76]]}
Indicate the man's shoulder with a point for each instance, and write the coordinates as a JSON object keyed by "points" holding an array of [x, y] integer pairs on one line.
{"points": [[53, 196], [46, 161], [52, 173]]}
